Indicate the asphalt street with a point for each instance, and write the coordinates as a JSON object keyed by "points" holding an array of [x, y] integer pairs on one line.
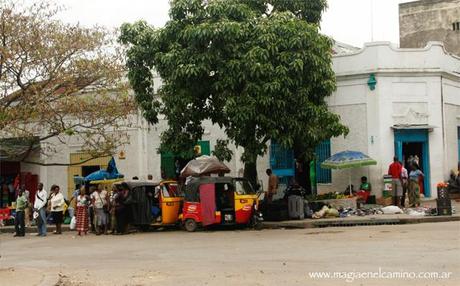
{"points": [[236, 257]]}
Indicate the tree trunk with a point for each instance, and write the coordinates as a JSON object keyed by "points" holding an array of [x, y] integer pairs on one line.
{"points": [[250, 172], [302, 174]]}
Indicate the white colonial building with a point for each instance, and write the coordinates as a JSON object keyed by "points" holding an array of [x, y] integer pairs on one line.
{"points": [[401, 102], [395, 102]]}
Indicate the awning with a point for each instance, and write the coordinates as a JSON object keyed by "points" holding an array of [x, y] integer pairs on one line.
{"points": [[14, 149], [413, 127]]}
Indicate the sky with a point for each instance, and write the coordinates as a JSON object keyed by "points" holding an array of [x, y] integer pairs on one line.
{"points": [[348, 21]]}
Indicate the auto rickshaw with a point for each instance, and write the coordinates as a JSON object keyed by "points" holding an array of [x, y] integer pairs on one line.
{"points": [[153, 203], [169, 201], [220, 201]]}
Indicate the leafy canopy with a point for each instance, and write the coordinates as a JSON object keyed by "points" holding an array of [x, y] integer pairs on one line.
{"points": [[259, 69], [58, 81]]}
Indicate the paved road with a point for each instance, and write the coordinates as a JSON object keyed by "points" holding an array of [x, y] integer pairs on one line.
{"points": [[268, 257]]}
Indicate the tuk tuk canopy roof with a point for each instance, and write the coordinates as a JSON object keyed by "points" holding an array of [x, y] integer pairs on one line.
{"points": [[138, 183], [105, 182], [192, 188], [204, 165], [194, 183]]}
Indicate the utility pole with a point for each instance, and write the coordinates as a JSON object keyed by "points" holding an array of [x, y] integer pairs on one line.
{"points": [[372, 20]]}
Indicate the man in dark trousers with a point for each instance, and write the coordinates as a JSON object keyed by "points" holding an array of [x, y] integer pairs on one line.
{"points": [[19, 221]]}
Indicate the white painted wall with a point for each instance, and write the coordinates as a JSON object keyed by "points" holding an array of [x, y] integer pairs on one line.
{"points": [[451, 94], [414, 86]]}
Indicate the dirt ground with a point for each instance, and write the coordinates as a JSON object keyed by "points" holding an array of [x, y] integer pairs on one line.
{"points": [[238, 257]]}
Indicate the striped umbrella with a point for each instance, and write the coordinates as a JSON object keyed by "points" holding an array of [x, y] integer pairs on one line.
{"points": [[348, 160]]}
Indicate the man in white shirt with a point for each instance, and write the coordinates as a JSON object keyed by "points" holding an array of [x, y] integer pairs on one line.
{"points": [[40, 209]]}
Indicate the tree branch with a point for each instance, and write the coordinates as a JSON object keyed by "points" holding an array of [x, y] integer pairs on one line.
{"points": [[65, 164]]}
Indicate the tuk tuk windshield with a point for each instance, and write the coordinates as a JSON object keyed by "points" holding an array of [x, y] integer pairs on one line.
{"points": [[170, 190], [243, 187]]}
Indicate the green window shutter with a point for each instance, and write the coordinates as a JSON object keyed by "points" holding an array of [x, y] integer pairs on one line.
{"points": [[167, 164]]}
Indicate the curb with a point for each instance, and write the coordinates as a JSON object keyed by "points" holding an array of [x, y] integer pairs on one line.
{"points": [[32, 229], [302, 224], [310, 223]]}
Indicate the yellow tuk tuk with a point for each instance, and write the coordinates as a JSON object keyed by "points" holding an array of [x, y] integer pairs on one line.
{"points": [[169, 201]]}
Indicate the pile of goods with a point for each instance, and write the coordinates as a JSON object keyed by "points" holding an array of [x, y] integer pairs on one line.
{"points": [[327, 211], [328, 196]]}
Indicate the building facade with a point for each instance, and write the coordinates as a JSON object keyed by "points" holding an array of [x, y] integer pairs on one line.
{"points": [[403, 102], [430, 20]]}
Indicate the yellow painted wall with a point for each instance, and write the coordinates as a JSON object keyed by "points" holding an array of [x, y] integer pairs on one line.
{"points": [[76, 169]]}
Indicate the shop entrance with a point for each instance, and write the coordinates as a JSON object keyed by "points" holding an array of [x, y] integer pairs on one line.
{"points": [[412, 150], [86, 170], [413, 144], [8, 172]]}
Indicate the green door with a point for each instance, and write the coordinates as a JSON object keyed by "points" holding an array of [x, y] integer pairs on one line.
{"points": [[167, 164]]}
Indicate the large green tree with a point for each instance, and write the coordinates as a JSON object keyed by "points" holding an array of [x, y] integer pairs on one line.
{"points": [[259, 69]]}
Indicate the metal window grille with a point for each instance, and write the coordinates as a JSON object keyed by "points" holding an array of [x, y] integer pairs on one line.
{"points": [[281, 158], [323, 152]]}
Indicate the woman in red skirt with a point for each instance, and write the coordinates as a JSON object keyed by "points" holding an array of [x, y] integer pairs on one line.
{"points": [[82, 212]]}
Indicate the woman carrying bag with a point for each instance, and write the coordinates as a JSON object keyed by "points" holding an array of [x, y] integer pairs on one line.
{"points": [[57, 203]]}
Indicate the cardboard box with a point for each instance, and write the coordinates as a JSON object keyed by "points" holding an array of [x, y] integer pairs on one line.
{"points": [[385, 201]]}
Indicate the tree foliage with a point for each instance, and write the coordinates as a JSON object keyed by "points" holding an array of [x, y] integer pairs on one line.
{"points": [[259, 69], [221, 150], [58, 81]]}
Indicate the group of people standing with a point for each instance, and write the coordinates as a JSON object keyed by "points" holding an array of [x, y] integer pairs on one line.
{"points": [[95, 207], [44, 207], [101, 210], [406, 182]]}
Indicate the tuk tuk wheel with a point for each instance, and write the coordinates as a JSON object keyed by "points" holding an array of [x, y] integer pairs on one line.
{"points": [[190, 225], [258, 226]]}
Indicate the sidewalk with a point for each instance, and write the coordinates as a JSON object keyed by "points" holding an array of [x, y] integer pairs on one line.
{"points": [[32, 229], [367, 220], [324, 222]]}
